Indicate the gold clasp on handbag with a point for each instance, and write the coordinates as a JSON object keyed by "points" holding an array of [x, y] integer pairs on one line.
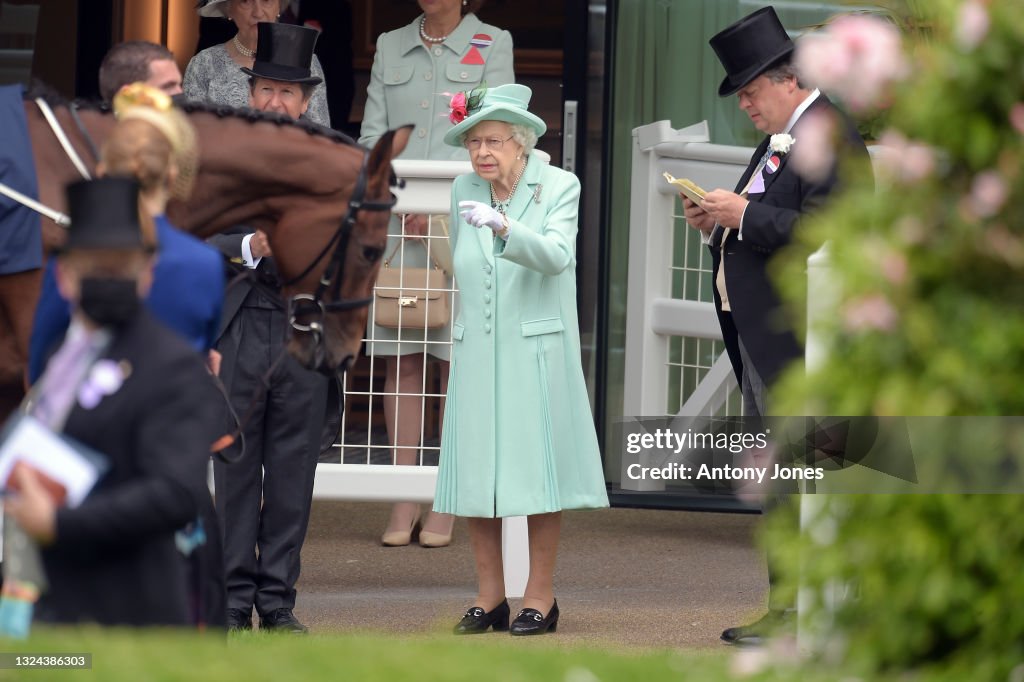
{"points": [[407, 301]]}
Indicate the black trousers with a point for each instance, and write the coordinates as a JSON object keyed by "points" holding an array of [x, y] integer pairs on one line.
{"points": [[264, 498]]}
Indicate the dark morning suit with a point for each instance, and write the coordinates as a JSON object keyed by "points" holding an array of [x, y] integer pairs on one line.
{"points": [[768, 223], [757, 316], [115, 560], [187, 292], [282, 445]]}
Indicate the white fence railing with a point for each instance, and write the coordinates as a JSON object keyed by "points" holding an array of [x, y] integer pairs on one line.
{"points": [[427, 191]]}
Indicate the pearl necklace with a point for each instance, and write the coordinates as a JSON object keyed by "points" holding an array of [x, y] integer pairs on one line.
{"points": [[242, 49], [502, 206], [428, 38]]}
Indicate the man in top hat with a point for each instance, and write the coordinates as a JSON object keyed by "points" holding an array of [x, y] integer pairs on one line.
{"points": [[132, 390], [746, 227], [281, 78], [264, 498]]}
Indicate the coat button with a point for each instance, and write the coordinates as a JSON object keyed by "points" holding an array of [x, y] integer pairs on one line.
{"points": [[487, 268], [487, 284], [422, 132], [428, 75], [437, 51], [487, 298], [463, 75], [487, 313], [424, 104], [487, 328], [395, 78]]}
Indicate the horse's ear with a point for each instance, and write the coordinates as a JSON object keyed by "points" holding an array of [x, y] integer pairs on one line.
{"points": [[388, 147]]}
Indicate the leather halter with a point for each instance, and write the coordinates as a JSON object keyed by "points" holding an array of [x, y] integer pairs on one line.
{"points": [[315, 304]]}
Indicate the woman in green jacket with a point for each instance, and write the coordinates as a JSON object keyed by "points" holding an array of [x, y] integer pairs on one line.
{"points": [[415, 71]]}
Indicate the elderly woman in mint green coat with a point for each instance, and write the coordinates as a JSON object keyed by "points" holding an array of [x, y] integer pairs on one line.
{"points": [[518, 434], [415, 71]]}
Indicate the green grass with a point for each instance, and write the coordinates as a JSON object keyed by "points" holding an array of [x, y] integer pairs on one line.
{"points": [[154, 656], [164, 656]]}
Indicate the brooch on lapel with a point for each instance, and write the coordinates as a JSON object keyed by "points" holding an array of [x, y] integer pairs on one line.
{"points": [[105, 378], [477, 42]]}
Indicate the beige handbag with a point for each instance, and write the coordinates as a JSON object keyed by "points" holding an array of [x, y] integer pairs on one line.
{"points": [[411, 298]]}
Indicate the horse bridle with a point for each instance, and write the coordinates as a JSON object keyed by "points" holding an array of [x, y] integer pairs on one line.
{"points": [[303, 305]]}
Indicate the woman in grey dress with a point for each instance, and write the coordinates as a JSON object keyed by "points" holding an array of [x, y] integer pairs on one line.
{"points": [[214, 75]]}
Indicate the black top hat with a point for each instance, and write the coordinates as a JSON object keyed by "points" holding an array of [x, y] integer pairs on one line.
{"points": [[104, 214], [750, 47], [284, 52]]}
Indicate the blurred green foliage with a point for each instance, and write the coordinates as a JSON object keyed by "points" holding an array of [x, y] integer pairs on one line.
{"points": [[937, 258]]}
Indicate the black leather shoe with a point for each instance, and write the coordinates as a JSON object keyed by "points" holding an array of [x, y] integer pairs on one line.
{"points": [[476, 621], [772, 623], [282, 620], [532, 622], [239, 619]]}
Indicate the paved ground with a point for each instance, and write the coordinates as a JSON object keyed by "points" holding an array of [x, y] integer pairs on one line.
{"points": [[630, 577]]}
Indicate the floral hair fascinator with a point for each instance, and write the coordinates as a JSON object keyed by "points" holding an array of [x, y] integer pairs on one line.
{"points": [[144, 102], [463, 104]]}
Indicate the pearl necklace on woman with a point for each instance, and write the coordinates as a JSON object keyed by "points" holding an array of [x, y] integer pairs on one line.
{"points": [[502, 206], [242, 49], [428, 38]]}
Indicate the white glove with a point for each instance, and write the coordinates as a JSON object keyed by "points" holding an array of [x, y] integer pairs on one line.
{"points": [[479, 214]]}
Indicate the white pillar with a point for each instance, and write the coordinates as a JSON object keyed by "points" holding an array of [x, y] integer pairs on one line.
{"points": [[515, 552]]}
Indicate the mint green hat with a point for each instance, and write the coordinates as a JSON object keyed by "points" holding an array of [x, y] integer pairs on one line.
{"points": [[502, 103]]}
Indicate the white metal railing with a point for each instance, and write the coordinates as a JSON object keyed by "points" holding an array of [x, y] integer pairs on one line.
{"points": [[673, 338], [427, 191], [653, 314]]}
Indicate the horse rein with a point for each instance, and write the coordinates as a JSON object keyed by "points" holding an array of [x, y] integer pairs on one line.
{"points": [[28, 202]]}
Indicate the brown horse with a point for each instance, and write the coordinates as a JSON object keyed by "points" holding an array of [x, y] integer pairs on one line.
{"points": [[292, 180]]}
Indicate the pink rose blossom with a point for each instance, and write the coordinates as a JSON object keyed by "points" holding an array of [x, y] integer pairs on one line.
{"points": [[857, 57], [870, 313], [894, 267], [972, 25], [1017, 117], [988, 193], [903, 160], [814, 157]]}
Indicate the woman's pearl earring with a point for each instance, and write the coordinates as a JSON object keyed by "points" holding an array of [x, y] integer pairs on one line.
{"points": [[465, 3]]}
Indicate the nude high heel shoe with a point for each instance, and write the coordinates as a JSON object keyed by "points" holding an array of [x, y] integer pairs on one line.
{"points": [[401, 538], [434, 539]]}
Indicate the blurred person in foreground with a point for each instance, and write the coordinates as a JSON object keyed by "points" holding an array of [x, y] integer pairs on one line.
{"points": [[129, 388]]}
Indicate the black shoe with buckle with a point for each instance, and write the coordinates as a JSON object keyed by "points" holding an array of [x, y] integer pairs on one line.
{"points": [[282, 620], [476, 620], [239, 619], [532, 622], [774, 622]]}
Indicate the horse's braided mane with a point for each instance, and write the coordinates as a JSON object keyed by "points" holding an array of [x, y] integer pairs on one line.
{"points": [[55, 99]]}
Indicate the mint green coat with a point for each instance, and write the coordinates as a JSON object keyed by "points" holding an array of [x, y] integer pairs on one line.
{"points": [[408, 83], [518, 435]]}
